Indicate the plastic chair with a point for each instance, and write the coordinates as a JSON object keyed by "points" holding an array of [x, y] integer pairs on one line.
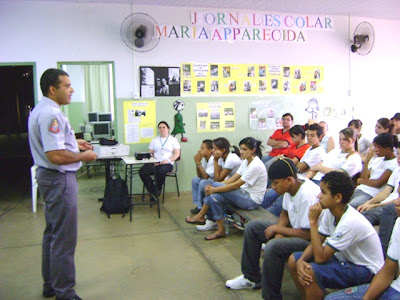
{"points": [[34, 187]]}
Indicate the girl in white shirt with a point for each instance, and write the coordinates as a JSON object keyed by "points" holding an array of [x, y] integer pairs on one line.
{"points": [[245, 189], [345, 159]]}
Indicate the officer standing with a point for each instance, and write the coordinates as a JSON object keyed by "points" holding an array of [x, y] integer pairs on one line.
{"points": [[57, 153]]}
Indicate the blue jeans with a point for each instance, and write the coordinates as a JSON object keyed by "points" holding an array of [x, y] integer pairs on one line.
{"points": [[272, 202], [388, 218], [373, 215], [220, 201], [335, 274], [357, 292], [266, 158], [359, 197], [198, 186], [276, 253]]}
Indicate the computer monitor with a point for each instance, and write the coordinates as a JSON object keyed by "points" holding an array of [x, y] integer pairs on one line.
{"points": [[101, 130], [93, 117], [104, 117]]}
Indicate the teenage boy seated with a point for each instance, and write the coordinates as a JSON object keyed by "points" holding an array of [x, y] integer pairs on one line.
{"points": [[345, 248], [381, 287], [288, 234]]}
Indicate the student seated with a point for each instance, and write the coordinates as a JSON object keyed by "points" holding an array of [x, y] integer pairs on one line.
{"points": [[283, 236], [313, 155], [345, 159], [344, 250], [327, 141], [382, 285], [280, 140], [376, 170], [245, 189], [362, 142], [382, 125], [204, 161]]}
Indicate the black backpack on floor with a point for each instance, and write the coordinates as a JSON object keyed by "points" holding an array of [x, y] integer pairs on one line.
{"points": [[116, 197]]}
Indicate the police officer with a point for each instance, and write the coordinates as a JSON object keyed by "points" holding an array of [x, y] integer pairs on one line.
{"points": [[57, 153]]}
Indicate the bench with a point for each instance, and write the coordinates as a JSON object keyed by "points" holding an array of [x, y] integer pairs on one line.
{"points": [[259, 213]]}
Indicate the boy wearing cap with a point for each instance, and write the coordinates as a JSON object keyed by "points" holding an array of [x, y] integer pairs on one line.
{"points": [[345, 250], [288, 234]]}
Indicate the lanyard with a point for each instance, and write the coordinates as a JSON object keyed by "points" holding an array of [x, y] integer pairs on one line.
{"points": [[162, 144]]}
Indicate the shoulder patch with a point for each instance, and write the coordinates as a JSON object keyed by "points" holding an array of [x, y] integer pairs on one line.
{"points": [[54, 127]]}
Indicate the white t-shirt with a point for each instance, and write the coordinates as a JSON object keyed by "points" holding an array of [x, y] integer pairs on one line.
{"points": [[354, 239], [298, 205], [255, 177], [377, 166], [208, 166], [232, 162], [324, 142], [314, 156], [393, 252], [336, 159], [164, 147], [363, 145], [393, 181]]}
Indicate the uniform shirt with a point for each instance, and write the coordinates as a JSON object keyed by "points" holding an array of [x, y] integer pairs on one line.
{"points": [[313, 156], [336, 159], [393, 252], [377, 166], [279, 135], [232, 162], [295, 151], [324, 142], [354, 239], [208, 166], [298, 205], [164, 147], [393, 182], [255, 177], [49, 130], [363, 144]]}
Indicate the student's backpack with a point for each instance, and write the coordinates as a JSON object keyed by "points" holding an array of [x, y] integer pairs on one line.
{"points": [[116, 197]]}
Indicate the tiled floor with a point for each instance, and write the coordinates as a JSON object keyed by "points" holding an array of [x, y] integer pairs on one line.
{"points": [[148, 258]]}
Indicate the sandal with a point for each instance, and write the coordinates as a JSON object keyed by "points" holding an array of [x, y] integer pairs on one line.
{"points": [[214, 236], [193, 221]]}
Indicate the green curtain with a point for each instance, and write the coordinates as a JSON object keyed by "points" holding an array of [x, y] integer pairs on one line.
{"points": [[97, 88]]}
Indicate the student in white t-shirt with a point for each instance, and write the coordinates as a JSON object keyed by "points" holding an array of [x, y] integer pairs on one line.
{"points": [[382, 286], [376, 170], [226, 163], [327, 140], [362, 142], [345, 159], [245, 189], [204, 161], [345, 250]]}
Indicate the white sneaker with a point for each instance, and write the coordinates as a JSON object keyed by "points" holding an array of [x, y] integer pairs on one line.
{"points": [[263, 246], [241, 283], [210, 225]]}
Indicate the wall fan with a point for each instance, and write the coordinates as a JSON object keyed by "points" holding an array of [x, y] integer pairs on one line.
{"points": [[363, 39], [137, 32]]}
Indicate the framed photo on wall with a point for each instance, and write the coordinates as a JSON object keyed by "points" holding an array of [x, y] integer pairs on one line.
{"points": [[160, 81]]}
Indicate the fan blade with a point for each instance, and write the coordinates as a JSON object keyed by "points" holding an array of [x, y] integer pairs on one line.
{"points": [[140, 32]]}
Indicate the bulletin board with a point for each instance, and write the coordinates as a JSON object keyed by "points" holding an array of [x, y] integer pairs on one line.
{"points": [[139, 121]]}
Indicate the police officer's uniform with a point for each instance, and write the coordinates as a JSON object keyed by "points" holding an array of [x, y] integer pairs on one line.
{"points": [[49, 130]]}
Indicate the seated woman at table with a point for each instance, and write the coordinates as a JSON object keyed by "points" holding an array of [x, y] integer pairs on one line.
{"points": [[245, 189], [165, 149]]}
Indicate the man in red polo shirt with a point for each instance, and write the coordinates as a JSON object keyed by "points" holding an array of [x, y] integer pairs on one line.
{"points": [[280, 140]]}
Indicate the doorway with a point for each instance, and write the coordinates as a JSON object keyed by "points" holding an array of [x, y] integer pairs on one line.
{"points": [[17, 98]]}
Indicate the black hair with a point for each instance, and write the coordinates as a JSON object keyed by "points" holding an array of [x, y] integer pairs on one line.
{"points": [[223, 143], [51, 77], [386, 124], [339, 183], [315, 127], [288, 115], [356, 123], [296, 130], [163, 122], [386, 140], [252, 143], [208, 143], [350, 134]]}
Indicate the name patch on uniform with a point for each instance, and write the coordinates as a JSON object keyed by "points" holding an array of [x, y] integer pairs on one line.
{"points": [[54, 127]]}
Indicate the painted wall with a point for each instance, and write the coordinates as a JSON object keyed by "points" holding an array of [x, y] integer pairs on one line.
{"points": [[46, 33]]}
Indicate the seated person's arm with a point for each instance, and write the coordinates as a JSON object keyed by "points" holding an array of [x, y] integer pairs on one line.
{"points": [[321, 168], [382, 279], [281, 229], [302, 167], [330, 145], [377, 183], [295, 160], [223, 174], [231, 184], [175, 155], [277, 144], [374, 202]]}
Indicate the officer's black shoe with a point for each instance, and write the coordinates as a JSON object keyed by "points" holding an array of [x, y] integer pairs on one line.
{"points": [[76, 297], [48, 293]]}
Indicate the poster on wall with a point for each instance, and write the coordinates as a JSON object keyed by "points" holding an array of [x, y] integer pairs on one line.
{"points": [[249, 79], [215, 117], [139, 120], [160, 81], [262, 116]]}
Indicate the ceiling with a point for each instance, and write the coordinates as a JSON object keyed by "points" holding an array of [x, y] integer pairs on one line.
{"points": [[379, 9]]}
